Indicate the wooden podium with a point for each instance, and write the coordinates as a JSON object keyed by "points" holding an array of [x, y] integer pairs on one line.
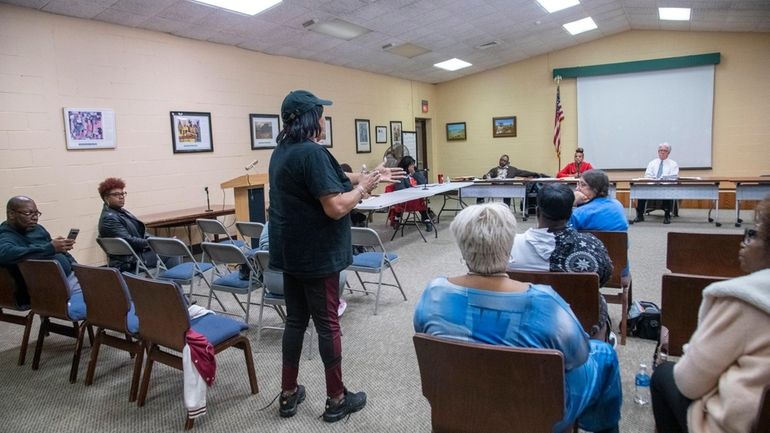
{"points": [[249, 196]]}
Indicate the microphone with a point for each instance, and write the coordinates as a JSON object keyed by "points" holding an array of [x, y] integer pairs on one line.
{"points": [[208, 203], [251, 165]]}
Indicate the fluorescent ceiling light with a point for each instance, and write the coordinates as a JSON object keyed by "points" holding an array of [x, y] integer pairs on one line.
{"points": [[580, 26], [674, 14], [453, 64], [407, 50], [248, 7], [336, 28], [556, 5]]}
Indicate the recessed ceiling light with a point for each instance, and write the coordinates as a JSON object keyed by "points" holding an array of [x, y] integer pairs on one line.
{"points": [[337, 28], [674, 14], [452, 64], [407, 50], [580, 26], [556, 5], [248, 7]]}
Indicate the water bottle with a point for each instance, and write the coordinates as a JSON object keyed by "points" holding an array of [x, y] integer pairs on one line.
{"points": [[642, 386]]}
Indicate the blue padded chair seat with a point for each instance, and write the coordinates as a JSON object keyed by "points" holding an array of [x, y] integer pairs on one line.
{"points": [[217, 328], [237, 242], [372, 259], [183, 271], [273, 296], [76, 307], [233, 282], [132, 321]]}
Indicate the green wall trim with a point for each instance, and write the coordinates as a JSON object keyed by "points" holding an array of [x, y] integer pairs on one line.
{"points": [[639, 66]]}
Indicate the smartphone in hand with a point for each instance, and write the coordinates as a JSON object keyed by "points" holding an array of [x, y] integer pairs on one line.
{"points": [[73, 234]]}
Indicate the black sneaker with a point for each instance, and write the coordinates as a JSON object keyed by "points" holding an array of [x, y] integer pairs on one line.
{"points": [[428, 226], [287, 406], [351, 402]]}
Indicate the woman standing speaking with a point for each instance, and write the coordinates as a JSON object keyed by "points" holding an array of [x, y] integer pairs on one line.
{"points": [[310, 201]]}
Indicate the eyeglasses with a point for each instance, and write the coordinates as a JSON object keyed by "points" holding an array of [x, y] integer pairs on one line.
{"points": [[118, 194], [749, 235], [29, 213]]}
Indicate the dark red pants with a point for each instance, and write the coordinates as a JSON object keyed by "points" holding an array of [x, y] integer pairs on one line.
{"points": [[317, 298]]}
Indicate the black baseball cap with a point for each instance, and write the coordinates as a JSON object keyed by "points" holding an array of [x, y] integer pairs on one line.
{"points": [[299, 102]]}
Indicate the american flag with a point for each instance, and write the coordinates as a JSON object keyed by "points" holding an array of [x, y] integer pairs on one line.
{"points": [[558, 117]]}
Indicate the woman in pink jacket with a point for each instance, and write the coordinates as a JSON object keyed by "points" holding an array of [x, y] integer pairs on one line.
{"points": [[718, 383]]}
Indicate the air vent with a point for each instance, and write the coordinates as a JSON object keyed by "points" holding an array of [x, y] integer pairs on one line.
{"points": [[488, 45]]}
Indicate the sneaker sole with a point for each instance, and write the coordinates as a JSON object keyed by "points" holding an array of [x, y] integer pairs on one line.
{"points": [[335, 418], [292, 412]]}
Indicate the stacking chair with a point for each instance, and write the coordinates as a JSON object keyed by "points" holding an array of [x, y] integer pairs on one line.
{"points": [[617, 247], [473, 387], [164, 321], [704, 254], [272, 295], [188, 271], [410, 215], [222, 256], [211, 229], [375, 260], [681, 297], [579, 289], [110, 309], [119, 247], [50, 299], [251, 230], [9, 300]]}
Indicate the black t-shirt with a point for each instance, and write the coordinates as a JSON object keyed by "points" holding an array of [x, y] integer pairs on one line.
{"points": [[304, 241]]}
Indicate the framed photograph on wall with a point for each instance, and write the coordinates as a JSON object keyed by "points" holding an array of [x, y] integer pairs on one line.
{"points": [[89, 128], [504, 126], [395, 133], [264, 130], [456, 131], [382, 134], [326, 137], [191, 132], [363, 140]]}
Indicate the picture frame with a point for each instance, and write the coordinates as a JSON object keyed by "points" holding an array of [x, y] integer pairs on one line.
{"points": [[456, 131], [326, 138], [89, 128], [363, 136], [395, 133], [382, 134], [264, 130], [504, 126], [191, 132]]}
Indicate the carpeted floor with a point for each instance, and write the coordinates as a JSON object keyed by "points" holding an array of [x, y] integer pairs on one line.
{"points": [[378, 357]]}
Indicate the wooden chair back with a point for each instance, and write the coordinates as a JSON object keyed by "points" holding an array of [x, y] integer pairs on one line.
{"points": [[681, 296], [9, 289], [9, 300], [47, 287], [762, 423], [617, 247], [106, 296], [704, 254], [163, 317], [579, 289], [484, 388]]}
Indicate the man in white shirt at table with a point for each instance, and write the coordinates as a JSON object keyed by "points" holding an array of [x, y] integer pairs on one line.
{"points": [[662, 168]]}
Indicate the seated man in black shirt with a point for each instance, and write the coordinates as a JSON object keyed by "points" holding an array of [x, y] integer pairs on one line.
{"points": [[506, 171]]}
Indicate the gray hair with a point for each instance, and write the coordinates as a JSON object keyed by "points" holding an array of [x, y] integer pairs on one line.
{"points": [[485, 233], [664, 146]]}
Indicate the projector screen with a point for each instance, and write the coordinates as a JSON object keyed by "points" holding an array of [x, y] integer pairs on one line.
{"points": [[623, 117]]}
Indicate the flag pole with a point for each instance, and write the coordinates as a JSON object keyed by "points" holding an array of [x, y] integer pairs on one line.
{"points": [[557, 124]]}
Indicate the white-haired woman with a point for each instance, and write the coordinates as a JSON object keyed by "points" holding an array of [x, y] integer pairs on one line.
{"points": [[521, 315]]}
